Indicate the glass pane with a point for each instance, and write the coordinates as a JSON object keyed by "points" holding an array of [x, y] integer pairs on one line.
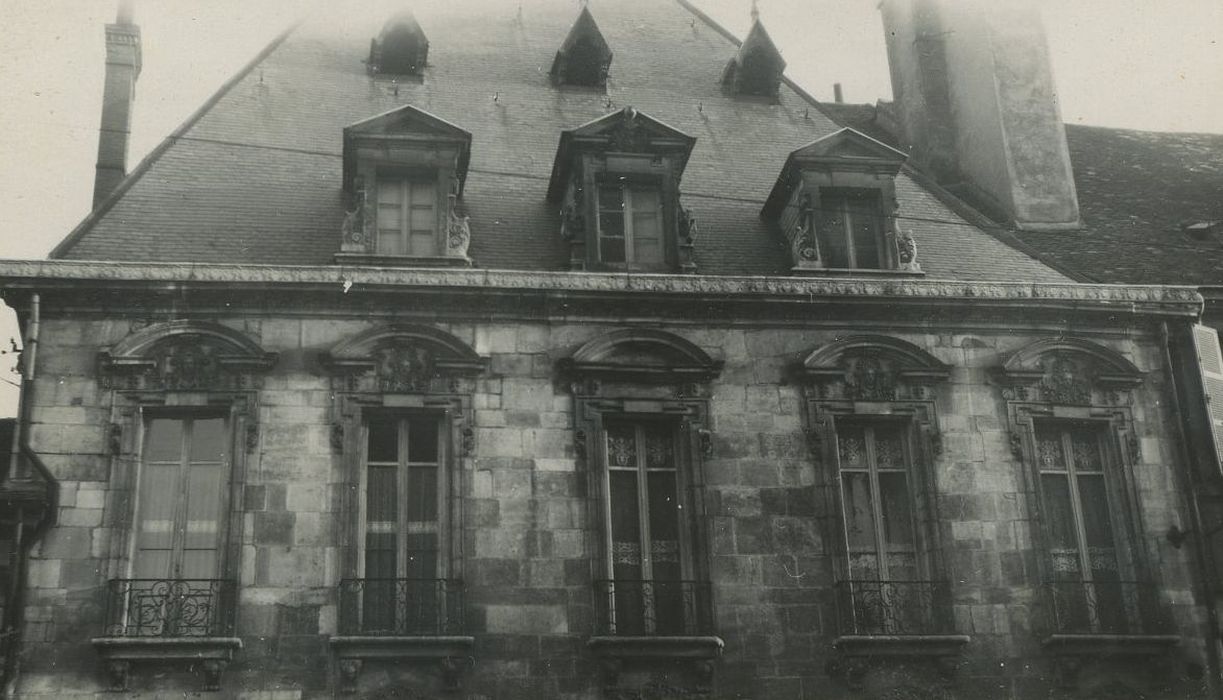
{"points": [[611, 250], [389, 242], [611, 199], [1049, 450], [621, 446], [851, 446], [389, 192], [422, 555], [860, 525], [1098, 528], [422, 494], [422, 439], [831, 230], [382, 499], [380, 560], [1086, 449], [204, 490], [889, 447], [864, 229], [647, 226], [423, 194], [626, 527], [898, 535], [208, 440], [1059, 522], [200, 563], [659, 447], [159, 489], [164, 440], [664, 525], [383, 440], [422, 219]]}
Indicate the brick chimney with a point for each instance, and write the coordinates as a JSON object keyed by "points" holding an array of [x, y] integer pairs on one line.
{"points": [[977, 106], [122, 69]]}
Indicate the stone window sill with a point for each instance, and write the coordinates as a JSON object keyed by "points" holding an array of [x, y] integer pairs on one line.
{"points": [[698, 651], [916, 645], [118, 653], [451, 653]]}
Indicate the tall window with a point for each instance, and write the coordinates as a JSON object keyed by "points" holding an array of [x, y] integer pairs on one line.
{"points": [[630, 225], [850, 228], [407, 216], [877, 501], [646, 547], [403, 533], [180, 498]]}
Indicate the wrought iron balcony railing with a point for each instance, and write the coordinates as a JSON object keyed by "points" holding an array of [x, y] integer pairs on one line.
{"points": [[172, 607], [1104, 607], [392, 607], [872, 608], [653, 608]]}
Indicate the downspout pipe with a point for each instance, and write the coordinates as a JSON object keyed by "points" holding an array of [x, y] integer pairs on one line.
{"points": [[24, 539], [1203, 557]]}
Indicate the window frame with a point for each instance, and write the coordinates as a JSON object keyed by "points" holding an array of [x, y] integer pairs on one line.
{"points": [[843, 196], [627, 185], [407, 178]]}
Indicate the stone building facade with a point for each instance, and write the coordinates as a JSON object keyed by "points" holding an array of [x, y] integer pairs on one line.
{"points": [[352, 388]]}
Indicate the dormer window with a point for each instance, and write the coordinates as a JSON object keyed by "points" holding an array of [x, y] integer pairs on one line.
{"points": [[757, 67], [584, 57], [400, 49], [616, 180], [403, 185], [835, 203]]}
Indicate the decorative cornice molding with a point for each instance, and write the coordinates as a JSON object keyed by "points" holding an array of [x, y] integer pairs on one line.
{"points": [[70, 274]]}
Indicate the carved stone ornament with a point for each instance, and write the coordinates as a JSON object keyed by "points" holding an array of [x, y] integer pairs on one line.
{"points": [[212, 669], [337, 436], [357, 218], [688, 230], [185, 356], [458, 232], [117, 671], [1067, 371], [906, 248], [871, 368], [350, 669], [469, 441], [402, 359]]}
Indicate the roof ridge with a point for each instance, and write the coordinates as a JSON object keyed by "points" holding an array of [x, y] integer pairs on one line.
{"points": [[147, 162]]}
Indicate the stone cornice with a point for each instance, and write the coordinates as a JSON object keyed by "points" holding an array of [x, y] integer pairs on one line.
{"points": [[67, 275]]}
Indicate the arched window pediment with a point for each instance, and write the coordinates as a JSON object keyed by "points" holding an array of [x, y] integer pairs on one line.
{"points": [[642, 355], [1067, 370], [186, 355], [872, 368], [403, 358]]}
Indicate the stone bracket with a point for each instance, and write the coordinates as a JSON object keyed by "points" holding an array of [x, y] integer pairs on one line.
{"points": [[212, 653], [613, 653], [452, 654]]}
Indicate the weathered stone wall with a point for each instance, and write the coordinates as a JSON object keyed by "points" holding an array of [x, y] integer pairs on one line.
{"points": [[527, 543]]}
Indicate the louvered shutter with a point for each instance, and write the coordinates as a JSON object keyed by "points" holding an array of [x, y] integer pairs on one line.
{"points": [[1210, 363]]}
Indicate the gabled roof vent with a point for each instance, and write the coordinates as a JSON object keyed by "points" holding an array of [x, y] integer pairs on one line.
{"points": [[584, 57], [401, 48], [756, 69]]}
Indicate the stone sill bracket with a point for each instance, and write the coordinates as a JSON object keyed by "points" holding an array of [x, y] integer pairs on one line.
{"points": [[452, 654], [119, 653], [613, 651], [1070, 652], [855, 654]]}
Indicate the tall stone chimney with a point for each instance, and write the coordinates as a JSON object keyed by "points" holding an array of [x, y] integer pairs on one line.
{"points": [[122, 69], [978, 107]]}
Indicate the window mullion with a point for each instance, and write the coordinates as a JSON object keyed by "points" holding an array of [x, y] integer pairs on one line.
{"points": [[179, 536], [401, 546], [847, 225], [643, 505], [1076, 506], [405, 215], [872, 467], [626, 199]]}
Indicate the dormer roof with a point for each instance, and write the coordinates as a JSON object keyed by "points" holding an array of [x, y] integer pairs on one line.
{"points": [[757, 66], [626, 131], [407, 124], [843, 150], [584, 57], [401, 47]]}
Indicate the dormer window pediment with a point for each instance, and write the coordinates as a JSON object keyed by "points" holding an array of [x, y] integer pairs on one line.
{"points": [[616, 180], [757, 67], [401, 48], [584, 58], [835, 202], [404, 172]]}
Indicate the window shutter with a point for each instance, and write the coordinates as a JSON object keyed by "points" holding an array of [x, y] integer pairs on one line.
{"points": [[1210, 364]]}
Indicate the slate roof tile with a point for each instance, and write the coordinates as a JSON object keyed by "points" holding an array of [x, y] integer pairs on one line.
{"points": [[256, 177]]}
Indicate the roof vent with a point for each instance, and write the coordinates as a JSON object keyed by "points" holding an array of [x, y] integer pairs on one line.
{"points": [[756, 69], [400, 49], [1202, 230], [584, 58]]}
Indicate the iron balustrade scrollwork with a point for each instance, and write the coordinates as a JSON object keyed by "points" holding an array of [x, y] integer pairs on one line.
{"points": [[653, 608], [866, 607], [392, 607], [1103, 607], [172, 607]]}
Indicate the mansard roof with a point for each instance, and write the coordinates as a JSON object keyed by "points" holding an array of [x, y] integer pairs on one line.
{"points": [[256, 175]]}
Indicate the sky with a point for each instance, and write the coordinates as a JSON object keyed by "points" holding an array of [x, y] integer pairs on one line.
{"points": [[1136, 64]]}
